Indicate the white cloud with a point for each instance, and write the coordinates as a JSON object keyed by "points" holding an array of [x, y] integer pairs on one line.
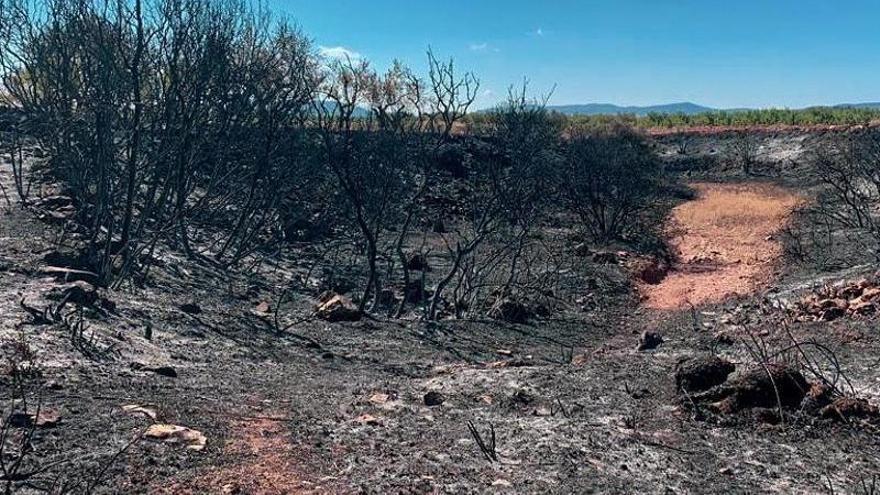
{"points": [[539, 32], [338, 52], [483, 48]]}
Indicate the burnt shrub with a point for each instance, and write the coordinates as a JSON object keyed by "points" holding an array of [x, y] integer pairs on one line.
{"points": [[611, 180], [840, 228]]}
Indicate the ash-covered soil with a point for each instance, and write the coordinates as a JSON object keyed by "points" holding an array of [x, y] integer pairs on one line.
{"points": [[562, 404]]}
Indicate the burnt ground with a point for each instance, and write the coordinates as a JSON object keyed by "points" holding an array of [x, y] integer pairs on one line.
{"points": [[341, 407]]}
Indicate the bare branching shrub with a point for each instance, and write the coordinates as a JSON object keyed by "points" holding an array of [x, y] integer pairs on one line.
{"points": [[503, 202], [208, 127], [683, 142], [373, 159], [852, 179], [745, 150], [161, 115], [842, 222], [610, 180]]}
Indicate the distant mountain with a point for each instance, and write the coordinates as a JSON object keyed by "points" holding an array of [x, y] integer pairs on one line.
{"points": [[609, 109], [686, 108], [874, 106]]}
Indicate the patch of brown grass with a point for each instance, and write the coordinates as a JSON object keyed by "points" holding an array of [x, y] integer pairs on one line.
{"points": [[723, 242], [750, 206]]}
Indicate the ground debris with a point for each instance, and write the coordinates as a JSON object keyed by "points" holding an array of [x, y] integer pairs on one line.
{"points": [[161, 370], [368, 420], [191, 308], [510, 311], [337, 308], [45, 418], [649, 340], [168, 433], [857, 300], [760, 386], [846, 408], [71, 274], [79, 292], [702, 373], [434, 398], [145, 411]]}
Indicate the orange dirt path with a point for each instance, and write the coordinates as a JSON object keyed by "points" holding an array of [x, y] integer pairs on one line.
{"points": [[724, 244], [267, 464]]}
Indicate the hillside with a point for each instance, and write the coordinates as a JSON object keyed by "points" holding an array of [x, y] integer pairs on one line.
{"points": [[610, 109]]}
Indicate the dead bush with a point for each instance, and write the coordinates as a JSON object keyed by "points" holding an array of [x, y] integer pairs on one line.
{"points": [[610, 179]]}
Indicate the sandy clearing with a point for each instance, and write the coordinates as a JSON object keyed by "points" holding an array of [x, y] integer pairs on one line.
{"points": [[724, 244]]}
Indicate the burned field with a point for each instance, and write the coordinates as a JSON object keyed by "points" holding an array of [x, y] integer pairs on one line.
{"points": [[201, 380], [277, 274]]}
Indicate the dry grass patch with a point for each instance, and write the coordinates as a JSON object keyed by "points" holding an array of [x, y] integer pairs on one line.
{"points": [[724, 243], [748, 206]]}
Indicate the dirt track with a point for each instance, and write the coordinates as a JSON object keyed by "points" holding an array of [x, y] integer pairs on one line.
{"points": [[724, 244]]}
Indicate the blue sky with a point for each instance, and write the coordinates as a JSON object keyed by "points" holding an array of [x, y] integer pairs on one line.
{"points": [[734, 53]]}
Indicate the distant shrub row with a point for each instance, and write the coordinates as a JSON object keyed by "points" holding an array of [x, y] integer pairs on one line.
{"points": [[724, 118]]}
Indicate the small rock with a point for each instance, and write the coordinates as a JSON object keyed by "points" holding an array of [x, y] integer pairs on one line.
{"points": [[338, 308], [166, 371], [702, 373], [649, 340], [543, 412], [434, 398], [46, 418], [167, 433], [191, 308], [136, 409], [263, 308], [369, 420]]}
